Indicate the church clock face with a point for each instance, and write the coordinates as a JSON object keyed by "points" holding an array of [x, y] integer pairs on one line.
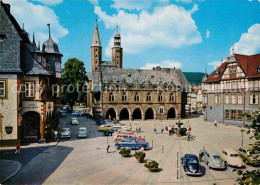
{"points": [[117, 50]]}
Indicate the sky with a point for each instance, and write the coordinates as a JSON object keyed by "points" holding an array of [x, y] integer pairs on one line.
{"points": [[193, 35]]}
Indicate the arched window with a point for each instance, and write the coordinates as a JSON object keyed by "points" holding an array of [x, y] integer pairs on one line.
{"points": [[124, 97], [137, 97], [160, 98], [171, 97], [111, 97], [149, 97]]}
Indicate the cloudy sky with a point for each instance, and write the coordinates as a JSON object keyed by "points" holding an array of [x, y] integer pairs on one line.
{"points": [[188, 34]]}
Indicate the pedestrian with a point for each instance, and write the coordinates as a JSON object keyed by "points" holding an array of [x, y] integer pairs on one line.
{"points": [[18, 147], [154, 129], [131, 127], [215, 123], [136, 130], [108, 146], [55, 135], [139, 128], [170, 129], [166, 129], [162, 129]]}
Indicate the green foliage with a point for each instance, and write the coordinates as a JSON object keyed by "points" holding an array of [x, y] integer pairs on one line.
{"points": [[125, 151], [73, 81], [252, 177], [140, 154], [194, 77], [152, 164]]}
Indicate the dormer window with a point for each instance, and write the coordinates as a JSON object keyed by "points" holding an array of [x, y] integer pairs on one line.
{"points": [[258, 69]]}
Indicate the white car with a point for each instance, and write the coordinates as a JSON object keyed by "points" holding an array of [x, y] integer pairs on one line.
{"points": [[117, 128], [65, 133], [232, 158], [74, 121]]}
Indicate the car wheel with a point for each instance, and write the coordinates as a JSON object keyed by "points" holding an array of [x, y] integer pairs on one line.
{"points": [[226, 163], [118, 148]]}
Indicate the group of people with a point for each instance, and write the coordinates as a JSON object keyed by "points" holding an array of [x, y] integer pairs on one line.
{"points": [[167, 129], [137, 128]]}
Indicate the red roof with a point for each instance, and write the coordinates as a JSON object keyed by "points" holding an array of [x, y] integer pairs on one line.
{"points": [[249, 65], [125, 133]]}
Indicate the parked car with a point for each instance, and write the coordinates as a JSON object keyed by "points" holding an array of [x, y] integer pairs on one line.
{"points": [[76, 113], [132, 143], [232, 158], [74, 121], [63, 114], [105, 127], [212, 159], [249, 156], [126, 135], [200, 112], [191, 165], [108, 132], [100, 121], [65, 133], [83, 114], [117, 128], [82, 132]]}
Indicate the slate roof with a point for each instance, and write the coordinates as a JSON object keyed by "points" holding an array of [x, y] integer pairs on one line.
{"points": [[249, 65], [96, 39], [50, 47], [132, 76]]}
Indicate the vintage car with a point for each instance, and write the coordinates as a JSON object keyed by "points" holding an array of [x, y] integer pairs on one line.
{"points": [[74, 121], [232, 158], [108, 132], [212, 159], [191, 165], [65, 133], [126, 135], [105, 127], [82, 132], [132, 143], [249, 156], [76, 113]]}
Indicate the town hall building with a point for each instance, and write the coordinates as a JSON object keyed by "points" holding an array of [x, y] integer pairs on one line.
{"points": [[130, 94]]}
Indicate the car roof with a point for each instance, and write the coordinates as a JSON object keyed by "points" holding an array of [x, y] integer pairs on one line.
{"points": [[213, 152], [66, 128], [125, 133], [82, 128], [191, 156]]}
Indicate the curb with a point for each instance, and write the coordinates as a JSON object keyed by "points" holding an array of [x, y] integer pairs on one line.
{"points": [[14, 173]]}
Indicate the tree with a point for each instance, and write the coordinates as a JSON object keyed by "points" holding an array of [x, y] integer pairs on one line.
{"points": [[73, 81], [253, 176]]}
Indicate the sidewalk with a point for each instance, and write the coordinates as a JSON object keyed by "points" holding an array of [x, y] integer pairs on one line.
{"points": [[8, 169], [29, 146]]}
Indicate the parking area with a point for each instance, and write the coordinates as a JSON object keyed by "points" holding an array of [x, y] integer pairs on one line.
{"points": [[89, 162]]}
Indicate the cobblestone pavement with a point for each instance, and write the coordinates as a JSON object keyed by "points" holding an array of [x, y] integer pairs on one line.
{"points": [[89, 163]]}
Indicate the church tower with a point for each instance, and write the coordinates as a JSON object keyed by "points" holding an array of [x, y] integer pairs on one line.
{"points": [[96, 50], [117, 50]]}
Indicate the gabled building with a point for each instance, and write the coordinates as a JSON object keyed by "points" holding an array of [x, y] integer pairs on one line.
{"points": [[130, 94], [233, 89], [30, 80]]}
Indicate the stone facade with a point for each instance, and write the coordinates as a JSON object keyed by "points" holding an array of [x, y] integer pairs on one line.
{"points": [[128, 94]]}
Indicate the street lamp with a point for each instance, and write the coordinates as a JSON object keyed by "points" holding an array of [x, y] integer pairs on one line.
{"points": [[2, 130], [242, 131]]}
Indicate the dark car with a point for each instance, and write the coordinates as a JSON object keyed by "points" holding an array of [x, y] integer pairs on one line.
{"points": [[100, 121], [133, 144], [199, 112], [108, 132], [76, 113], [191, 165]]}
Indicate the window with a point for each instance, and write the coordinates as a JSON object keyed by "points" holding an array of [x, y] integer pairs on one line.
{"points": [[111, 97], [161, 110], [160, 98], [233, 99], [124, 98], [249, 116], [258, 69], [227, 116], [149, 97], [39, 59], [240, 99], [137, 97], [217, 99], [240, 115], [233, 114], [57, 66], [254, 99], [44, 62], [3, 89], [29, 89], [227, 99], [172, 97]]}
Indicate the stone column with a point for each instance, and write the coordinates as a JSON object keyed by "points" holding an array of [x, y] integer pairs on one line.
{"points": [[131, 117], [143, 117], [117, 117], [41, 128]]}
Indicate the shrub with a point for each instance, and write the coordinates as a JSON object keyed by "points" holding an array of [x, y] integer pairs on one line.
{"points": [[152, 165], [125, 151], [140, 154]]}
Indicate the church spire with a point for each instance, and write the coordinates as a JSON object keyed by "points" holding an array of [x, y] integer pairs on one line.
{"points": [[96, 39], [34, 40], [49, 26], [117, 38]]}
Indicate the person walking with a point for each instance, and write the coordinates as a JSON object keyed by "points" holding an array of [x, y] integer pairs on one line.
{"points": [[162, 129], [166, 129], [55, 135], [18, 147], [154, 129]]}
